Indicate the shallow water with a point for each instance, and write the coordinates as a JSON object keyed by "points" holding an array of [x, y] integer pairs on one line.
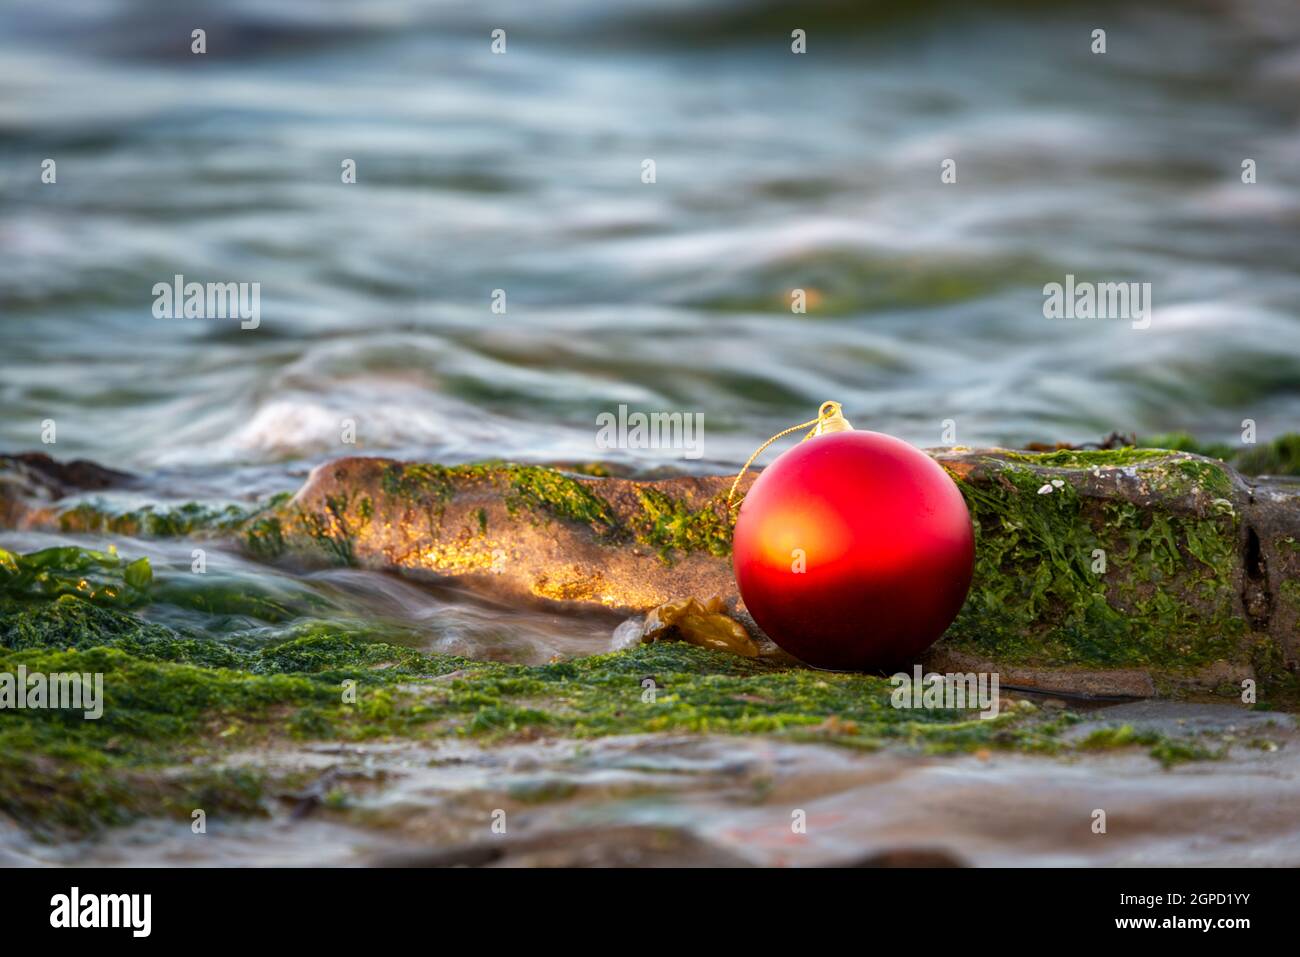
{"points": [[522, 172], [727, 801], [248, 603]]}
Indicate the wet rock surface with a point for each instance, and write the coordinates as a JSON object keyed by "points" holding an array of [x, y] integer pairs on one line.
{"points": [[692, 800]]}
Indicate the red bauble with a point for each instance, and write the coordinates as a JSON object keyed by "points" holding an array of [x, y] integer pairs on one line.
{"points": [[854, 550]]}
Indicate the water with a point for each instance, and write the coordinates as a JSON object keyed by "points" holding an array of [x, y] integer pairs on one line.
{"points": [[726, 800], [522, 172]]}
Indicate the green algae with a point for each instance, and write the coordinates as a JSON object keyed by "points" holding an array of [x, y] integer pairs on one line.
{"points": [[265, 537], [663, 522], [179, 701], [1289, 591], [1179, 474], [72, 624], [1088, 458], [105, 579], [532, 488], [99, 577], [426, 479], [1213, 479], [1170, 752], [58, 769], [1185, 442], [669, 524], [1279, 457], [333, 530], [151, 521], [560, 496], [1039, 594]]}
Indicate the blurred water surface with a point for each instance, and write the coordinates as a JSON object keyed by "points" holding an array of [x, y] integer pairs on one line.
{"points": [[522, 172]]}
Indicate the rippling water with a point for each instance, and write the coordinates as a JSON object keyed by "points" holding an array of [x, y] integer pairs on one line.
{"points": [[522, 172]]}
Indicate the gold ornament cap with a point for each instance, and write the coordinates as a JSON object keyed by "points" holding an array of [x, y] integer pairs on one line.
{"points": [[830, 418]]}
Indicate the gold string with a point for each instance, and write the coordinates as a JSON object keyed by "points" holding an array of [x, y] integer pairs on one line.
{"points": [[828, 410]]}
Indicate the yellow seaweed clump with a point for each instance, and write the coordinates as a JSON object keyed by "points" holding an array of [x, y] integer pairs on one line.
{"points": [[705, 624]]}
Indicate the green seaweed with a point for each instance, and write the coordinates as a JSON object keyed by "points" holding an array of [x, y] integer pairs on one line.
{"points": [[1088, 458], [1170, 752], [265, 537], [332, 530], [170, 695], [1185, 442], [99, 577], [665, 523], [669, 524], [532, 488], [1037, 598], [153, 521], [560, 496], [422, 479], [1278, 457]]}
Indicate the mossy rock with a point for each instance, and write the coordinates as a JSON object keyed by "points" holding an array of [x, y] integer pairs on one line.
{"points": [[1163, 561], [175, 706]]}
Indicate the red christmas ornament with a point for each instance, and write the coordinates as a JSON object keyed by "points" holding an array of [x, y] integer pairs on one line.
{"points": [[853, 550]]}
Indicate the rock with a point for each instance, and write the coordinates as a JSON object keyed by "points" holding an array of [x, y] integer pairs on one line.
{"points": [[1152, 571], [32, 481], [1098, 683], [908, 857], [1141, 566], [525, 531]]}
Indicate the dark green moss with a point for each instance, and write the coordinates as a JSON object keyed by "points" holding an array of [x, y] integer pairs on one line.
{"points": [[1036, 598]]}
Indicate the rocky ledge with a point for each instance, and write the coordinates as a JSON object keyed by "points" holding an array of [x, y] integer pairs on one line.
{"points": [[1127, 573]]}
